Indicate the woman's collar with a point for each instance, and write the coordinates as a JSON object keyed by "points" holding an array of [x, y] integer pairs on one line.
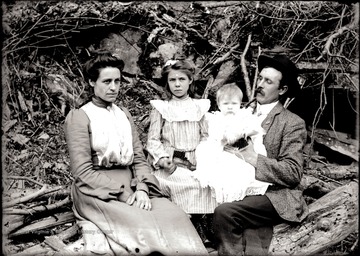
{"points": [[100, 102]]}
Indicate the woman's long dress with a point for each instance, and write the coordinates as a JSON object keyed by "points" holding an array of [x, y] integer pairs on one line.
{"points": [[177, 126], [112, 226]]}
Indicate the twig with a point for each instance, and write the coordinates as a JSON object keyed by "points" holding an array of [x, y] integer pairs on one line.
{"points": [[243, 67], [354, 245], [255, 77], [44, 190], [330, 179], [208, 87], [38, 209], [226, 55], [25, 178], [339, 32]]}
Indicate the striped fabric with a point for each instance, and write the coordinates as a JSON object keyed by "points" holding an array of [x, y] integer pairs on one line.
{"points": [[185, 191], [178, 125]]}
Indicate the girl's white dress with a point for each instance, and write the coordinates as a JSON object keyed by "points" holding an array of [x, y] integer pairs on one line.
{"points": [[230, 177]]}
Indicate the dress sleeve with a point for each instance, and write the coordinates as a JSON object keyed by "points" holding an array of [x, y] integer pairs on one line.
{"points": [[88, 180], [204, 127], [154, 145], [144, 179]]}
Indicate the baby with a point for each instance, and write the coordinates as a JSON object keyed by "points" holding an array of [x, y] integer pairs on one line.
{"points": [[229, 177]]}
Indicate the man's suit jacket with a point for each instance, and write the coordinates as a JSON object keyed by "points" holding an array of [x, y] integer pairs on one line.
{"points": [[284, 141]]}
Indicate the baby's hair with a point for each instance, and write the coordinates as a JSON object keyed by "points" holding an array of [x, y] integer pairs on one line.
{"points": [[229, 90], [183, 65], [102, 59]]}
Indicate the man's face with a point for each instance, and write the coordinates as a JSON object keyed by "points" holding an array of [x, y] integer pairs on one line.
{"points": [[268, 85]]}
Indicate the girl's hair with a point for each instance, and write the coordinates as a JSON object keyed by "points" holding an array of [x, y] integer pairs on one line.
{"points": [[92, 67], [182, 65], [229, 90]]}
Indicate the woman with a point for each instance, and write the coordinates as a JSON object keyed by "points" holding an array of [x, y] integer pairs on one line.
{"points": [[116, 199]]}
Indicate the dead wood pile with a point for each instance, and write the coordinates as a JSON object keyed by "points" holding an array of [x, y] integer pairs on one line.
{"points": [[45, 216]]}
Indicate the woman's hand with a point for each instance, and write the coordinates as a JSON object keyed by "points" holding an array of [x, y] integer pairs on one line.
{"points": [[140, 199]]}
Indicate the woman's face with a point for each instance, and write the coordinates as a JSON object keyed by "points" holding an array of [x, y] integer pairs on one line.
{"points": [[178, 83], [107, 85], [268, 84]]}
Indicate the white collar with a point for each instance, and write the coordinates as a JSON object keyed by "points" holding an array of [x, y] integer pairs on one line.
{"points": [[266, 108]]}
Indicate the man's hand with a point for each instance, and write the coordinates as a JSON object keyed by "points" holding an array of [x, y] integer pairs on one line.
{"points": [[141, 200], [248, 153]]}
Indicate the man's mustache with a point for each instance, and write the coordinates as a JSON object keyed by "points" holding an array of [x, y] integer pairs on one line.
{"points": [[257, 90]]}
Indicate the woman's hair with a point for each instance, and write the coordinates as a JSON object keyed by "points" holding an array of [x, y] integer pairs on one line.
{"points": [[229, 90], [182, 65], [92, 67]]}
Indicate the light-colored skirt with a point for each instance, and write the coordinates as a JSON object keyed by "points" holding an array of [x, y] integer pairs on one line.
{"points": [[185, 191]]}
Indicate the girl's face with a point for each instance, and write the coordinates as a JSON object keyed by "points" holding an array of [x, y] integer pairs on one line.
{"points": [[179, 83], [229, 104], [107, 85]]}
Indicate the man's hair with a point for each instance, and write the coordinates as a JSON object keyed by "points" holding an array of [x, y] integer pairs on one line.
{"points": [[229, 90]]}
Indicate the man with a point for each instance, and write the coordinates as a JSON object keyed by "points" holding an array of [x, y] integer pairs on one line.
{"points": [[283, 167]]}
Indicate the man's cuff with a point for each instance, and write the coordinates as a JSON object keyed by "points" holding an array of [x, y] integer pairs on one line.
{"points": [[142, 186]]}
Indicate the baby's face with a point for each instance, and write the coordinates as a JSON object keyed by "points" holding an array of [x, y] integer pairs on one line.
{"points": [[229, 105]]}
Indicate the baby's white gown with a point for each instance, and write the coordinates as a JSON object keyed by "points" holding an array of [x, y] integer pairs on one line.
{"points": [[230, 177]]}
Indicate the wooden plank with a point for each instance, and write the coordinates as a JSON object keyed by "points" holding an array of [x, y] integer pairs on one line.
{"points": [[52, 221], [331, 219], [321, 66], [44, 248]]}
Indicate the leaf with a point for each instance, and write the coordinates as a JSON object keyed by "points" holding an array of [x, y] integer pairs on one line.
{"points": [[21, 139], [44, 136], [9, 124], [61, 167], [47, 165], [23, 154]]}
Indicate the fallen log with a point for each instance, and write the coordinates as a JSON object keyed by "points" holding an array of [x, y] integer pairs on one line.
{"points": [[331, 219], [49, 244], [52, 221], [38, 209], [44, 190]]}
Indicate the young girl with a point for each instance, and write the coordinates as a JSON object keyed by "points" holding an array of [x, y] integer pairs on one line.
{"points": [[176, 128], [229, 177]]}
